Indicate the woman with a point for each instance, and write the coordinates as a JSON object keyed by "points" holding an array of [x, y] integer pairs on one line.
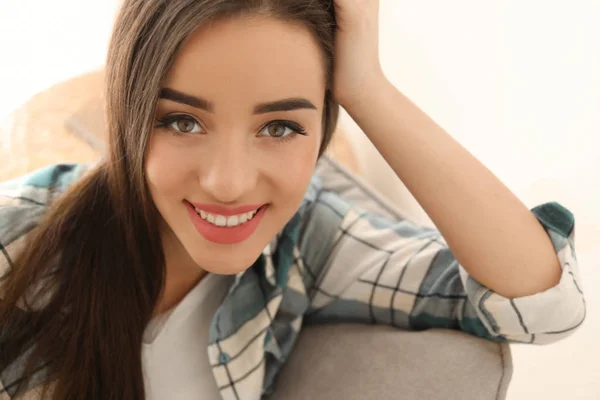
{"points": [[184, 263]]}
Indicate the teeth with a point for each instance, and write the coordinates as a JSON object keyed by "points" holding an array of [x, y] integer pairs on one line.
{"points": [[220, 220], [232, 221]]}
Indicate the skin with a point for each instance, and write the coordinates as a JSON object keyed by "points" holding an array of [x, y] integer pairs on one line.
{"points": [[230, 156]]}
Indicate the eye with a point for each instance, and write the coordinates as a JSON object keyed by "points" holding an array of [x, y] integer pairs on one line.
{"points": [[181, 124], [282, 129]]}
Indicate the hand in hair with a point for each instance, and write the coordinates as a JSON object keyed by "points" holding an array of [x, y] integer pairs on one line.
{"points": [[356, 61]]}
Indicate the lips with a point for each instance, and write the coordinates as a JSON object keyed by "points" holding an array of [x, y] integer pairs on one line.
{"points": [[225, 234]]}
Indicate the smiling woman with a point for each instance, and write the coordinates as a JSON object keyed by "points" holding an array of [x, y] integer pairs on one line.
{"points": [[244, 148], [245, 141], [185, 262]]}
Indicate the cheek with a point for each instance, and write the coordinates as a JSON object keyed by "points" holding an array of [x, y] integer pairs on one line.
{"points": [[295, 175], [166, 170], [294, 169]]}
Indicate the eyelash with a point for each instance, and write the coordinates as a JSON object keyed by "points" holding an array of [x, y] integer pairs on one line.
{"points": [[167, 121]]}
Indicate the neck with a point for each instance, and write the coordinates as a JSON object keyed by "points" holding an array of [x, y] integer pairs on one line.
{"points": [[176, 288], [182, 273]]}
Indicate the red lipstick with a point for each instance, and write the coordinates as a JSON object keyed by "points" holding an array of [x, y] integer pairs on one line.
{"points": [[225, 234]]}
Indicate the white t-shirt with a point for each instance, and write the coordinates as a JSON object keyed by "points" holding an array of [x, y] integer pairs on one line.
{"points": [[174, 349]]}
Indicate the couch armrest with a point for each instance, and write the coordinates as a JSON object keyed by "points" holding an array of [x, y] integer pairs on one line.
{"points": [[352, 362]]}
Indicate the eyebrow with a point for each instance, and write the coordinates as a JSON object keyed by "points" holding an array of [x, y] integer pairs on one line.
{"points": [[289, 104]]}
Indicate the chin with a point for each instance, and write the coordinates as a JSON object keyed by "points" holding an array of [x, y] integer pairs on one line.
{"points": [[229, 270], [225, 264]]}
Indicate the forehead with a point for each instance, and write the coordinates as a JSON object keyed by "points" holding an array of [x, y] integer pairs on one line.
{"points": [[250, 59]]}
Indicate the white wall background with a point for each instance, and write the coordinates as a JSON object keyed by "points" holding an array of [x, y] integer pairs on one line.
{"points": [[516, 82]]}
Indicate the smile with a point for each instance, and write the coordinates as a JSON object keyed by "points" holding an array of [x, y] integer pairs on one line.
{"points": [[225, 229], [222, 220]]}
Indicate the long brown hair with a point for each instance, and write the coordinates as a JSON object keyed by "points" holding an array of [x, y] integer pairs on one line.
{"points": [[81, 292]]}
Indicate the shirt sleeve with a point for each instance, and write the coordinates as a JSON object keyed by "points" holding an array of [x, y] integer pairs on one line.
{"points": [[365, 264]]}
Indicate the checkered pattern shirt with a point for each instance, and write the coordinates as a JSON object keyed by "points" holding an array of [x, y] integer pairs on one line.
{"points": [[346, 255]]}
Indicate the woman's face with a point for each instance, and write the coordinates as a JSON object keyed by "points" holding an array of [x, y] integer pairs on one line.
{"points": [[238, 129]]}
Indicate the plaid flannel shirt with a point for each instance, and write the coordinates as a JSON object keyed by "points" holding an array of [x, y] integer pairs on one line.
{"points": [[346, 255]]}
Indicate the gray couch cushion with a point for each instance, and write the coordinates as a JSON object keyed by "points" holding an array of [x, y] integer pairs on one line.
{"points": [[351, 361]]}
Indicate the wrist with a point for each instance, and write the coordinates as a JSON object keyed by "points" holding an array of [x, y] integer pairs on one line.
{"points": [[371, 88]]}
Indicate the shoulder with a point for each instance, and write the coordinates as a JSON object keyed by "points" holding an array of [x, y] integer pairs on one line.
{"points": [[25, 197], [39, 186], [24, 200]]}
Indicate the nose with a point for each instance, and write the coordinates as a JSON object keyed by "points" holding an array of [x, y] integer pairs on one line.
{"points": [[230, 174]]}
